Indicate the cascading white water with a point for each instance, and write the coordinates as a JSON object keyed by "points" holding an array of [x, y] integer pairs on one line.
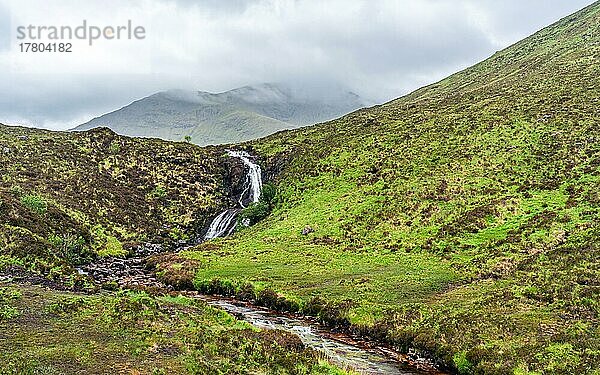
{"points": [[253, 179], [224, 224]]}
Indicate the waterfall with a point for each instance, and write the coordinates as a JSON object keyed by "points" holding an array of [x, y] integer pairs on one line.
{"points": [[253, 183], [224, 224]]}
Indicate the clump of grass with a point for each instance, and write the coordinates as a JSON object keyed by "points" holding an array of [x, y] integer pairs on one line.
{"points": [[7, 297], [113, 248], [35, 203], [133, 306], [158, 192], [67, 305], [72, 248], [462, 364], [115, 147]]}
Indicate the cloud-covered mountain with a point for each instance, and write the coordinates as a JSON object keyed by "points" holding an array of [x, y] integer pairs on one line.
{"points": [[233, 116]]}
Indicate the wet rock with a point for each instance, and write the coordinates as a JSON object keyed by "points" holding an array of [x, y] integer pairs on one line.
{"points": [[307, 230], [113, 273], [236, 177]]}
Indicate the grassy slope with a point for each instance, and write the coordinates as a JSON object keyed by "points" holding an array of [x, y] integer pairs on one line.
{"points": [[67, 196], [463, 218], [48, 332]]}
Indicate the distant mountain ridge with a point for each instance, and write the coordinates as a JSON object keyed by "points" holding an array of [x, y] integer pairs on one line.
{"points": [[237, 115]]}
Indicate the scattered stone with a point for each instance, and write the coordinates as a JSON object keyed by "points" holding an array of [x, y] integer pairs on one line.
{"points": [[6, 150], [130, 272], [307, 230], [23, 137]]}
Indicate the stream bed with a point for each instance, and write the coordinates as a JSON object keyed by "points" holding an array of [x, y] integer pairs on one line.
{"points": [[339, 349]]}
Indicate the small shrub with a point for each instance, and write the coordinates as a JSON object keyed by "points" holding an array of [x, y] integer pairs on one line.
{"points": [[67, 305], [254, 213], [59, 272], [284, 304], [246, 292], [133, 307], [35, 203], [267, 298], [269, 191], [114, 147], [282, 339], [178, 234], [227, 288], [330, 313], [8, 312], [158, 192], [314, 306], [462, 363], [71, 248], [173, 270], [257, 211], [113, 248]]}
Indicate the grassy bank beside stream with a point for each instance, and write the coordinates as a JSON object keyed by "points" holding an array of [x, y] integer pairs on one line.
{"points": [[43, 331]]}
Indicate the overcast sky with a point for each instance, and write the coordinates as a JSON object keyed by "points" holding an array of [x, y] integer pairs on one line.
{"points": [[380, 49]]}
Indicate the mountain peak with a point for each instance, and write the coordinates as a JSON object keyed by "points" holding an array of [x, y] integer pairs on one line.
{"points": [[240, 114]]}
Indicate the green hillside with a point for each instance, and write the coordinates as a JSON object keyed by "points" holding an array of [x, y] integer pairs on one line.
{"points": [[462, 219], [67, 197]]}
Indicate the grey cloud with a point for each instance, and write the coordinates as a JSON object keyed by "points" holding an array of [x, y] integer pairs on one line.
{"points": [[56, 101], [5, 28], [217, 6], [527, 16]]}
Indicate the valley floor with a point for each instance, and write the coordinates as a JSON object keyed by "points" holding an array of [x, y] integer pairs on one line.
{"points": [[470, 318], [44, 331]]}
